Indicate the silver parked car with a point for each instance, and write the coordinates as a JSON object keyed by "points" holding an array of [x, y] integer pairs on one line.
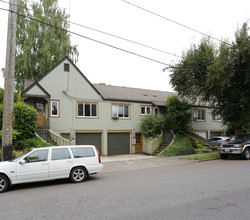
{"points": [[217, 140], [49, 163]]}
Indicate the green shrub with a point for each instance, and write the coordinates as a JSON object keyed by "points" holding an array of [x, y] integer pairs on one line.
{"points": [[200, 145], [29, 143], [152, 125], [25, 121], [181, 146], [178, 115]]}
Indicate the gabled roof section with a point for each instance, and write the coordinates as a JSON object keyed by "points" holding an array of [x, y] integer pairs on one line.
{"points": [[60, 62], [44, 93], [117, 93]]}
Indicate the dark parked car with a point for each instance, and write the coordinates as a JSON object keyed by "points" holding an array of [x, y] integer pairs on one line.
{"points": [[238, 145]]}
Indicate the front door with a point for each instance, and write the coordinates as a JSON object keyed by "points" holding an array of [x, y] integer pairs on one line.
{"points": [[40, 106], [138, 145]]}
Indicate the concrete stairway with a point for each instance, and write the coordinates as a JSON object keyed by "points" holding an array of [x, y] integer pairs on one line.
{"points": [[43, 133], [167, 139]]}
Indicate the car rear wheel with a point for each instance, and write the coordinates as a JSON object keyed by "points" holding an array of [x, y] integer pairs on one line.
{"points": [[78, 174], [246, 154], [223, 156], [4, 183]]}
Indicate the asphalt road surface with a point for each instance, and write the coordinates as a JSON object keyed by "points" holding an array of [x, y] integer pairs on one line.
{"points": [[217, 189]]}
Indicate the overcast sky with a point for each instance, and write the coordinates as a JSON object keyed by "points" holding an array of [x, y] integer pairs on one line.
{"points": [[103, 64]]}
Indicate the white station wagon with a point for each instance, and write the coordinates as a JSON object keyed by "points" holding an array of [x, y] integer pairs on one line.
{"points": [[49, 163]]}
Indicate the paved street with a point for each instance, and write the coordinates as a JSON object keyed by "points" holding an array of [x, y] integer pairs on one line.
{"points": [[216, 189]]}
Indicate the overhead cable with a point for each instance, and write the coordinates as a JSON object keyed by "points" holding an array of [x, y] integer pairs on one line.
{"points": [[99, 31], [97, 41], [175, 22]]}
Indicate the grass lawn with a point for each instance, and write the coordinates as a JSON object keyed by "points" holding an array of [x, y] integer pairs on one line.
{"points": [[203, 157]]}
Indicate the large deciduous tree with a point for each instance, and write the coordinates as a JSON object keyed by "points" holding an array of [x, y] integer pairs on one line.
{"points": [[219, 76], [39, 44]]}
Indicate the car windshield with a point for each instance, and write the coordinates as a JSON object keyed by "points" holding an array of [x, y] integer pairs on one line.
{"points": [[17, 158], [241, 137]]}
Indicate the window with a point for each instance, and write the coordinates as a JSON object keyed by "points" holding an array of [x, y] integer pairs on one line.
{"points": [[120, 111], [54, 108], [216, 117], [60, 154], [86, 109], [37, 156], [199, 115], [65, 135], [202, 133], [83, 152], [145, 110]]}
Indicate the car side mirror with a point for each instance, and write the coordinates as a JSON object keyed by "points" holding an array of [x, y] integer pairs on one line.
{"points": [[22, 162]]}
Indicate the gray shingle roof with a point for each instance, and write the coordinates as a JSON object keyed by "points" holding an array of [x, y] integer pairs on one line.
{"points": [[118, 93]]}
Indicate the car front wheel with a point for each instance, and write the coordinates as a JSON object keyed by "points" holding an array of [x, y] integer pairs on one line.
{"points": [[4, 183], [246, 154], [78, 174]]}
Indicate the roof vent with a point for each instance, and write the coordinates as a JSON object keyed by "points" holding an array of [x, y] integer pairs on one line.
{"points": [[66, 67], [145, 95]]}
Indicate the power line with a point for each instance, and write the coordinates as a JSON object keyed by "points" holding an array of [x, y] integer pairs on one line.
{"points": [[169, 66], [175, 22], [97, 41], [99, 31]]}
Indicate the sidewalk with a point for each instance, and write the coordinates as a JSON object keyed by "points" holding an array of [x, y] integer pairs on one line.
{"points": [[119, 163]]}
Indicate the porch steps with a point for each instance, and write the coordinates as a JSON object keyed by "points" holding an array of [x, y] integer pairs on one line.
{"points": [[167, 139], [43, 133]]}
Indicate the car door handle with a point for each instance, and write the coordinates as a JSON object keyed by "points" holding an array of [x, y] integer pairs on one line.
{"points": [[45, 163], [69, 161]]}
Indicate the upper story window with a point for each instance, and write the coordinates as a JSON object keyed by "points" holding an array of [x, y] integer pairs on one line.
{"points": [[54, 108], [145, 110], [216, 117], [199, 115], [86, 109], [120, 111]]}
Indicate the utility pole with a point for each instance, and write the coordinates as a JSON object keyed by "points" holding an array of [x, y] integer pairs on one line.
{"points": [[8, 100]]}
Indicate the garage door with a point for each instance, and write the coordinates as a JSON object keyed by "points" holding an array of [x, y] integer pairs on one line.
{"points": [[90, 139], [216, 133], [118, 143]]}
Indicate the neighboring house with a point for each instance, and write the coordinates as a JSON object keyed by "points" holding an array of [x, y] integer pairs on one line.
{"points": [[106, 116]]}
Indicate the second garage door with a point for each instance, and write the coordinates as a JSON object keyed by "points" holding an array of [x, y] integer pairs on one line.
{"points": [[90, 139], [118, 143]]}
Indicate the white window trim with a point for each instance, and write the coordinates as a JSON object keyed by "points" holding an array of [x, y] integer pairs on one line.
{"points": [[117, 112], [146, 112], [58, 108]]}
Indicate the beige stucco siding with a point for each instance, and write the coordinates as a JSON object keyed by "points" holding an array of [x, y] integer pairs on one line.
{"points": [[72, 82], [209, 124], [35, 91]]}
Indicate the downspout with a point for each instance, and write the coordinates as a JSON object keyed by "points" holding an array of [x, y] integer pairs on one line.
{"points": [[73, 117]]}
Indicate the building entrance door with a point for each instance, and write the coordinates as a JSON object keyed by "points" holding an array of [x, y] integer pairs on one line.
{"points": [[40, 107]]}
